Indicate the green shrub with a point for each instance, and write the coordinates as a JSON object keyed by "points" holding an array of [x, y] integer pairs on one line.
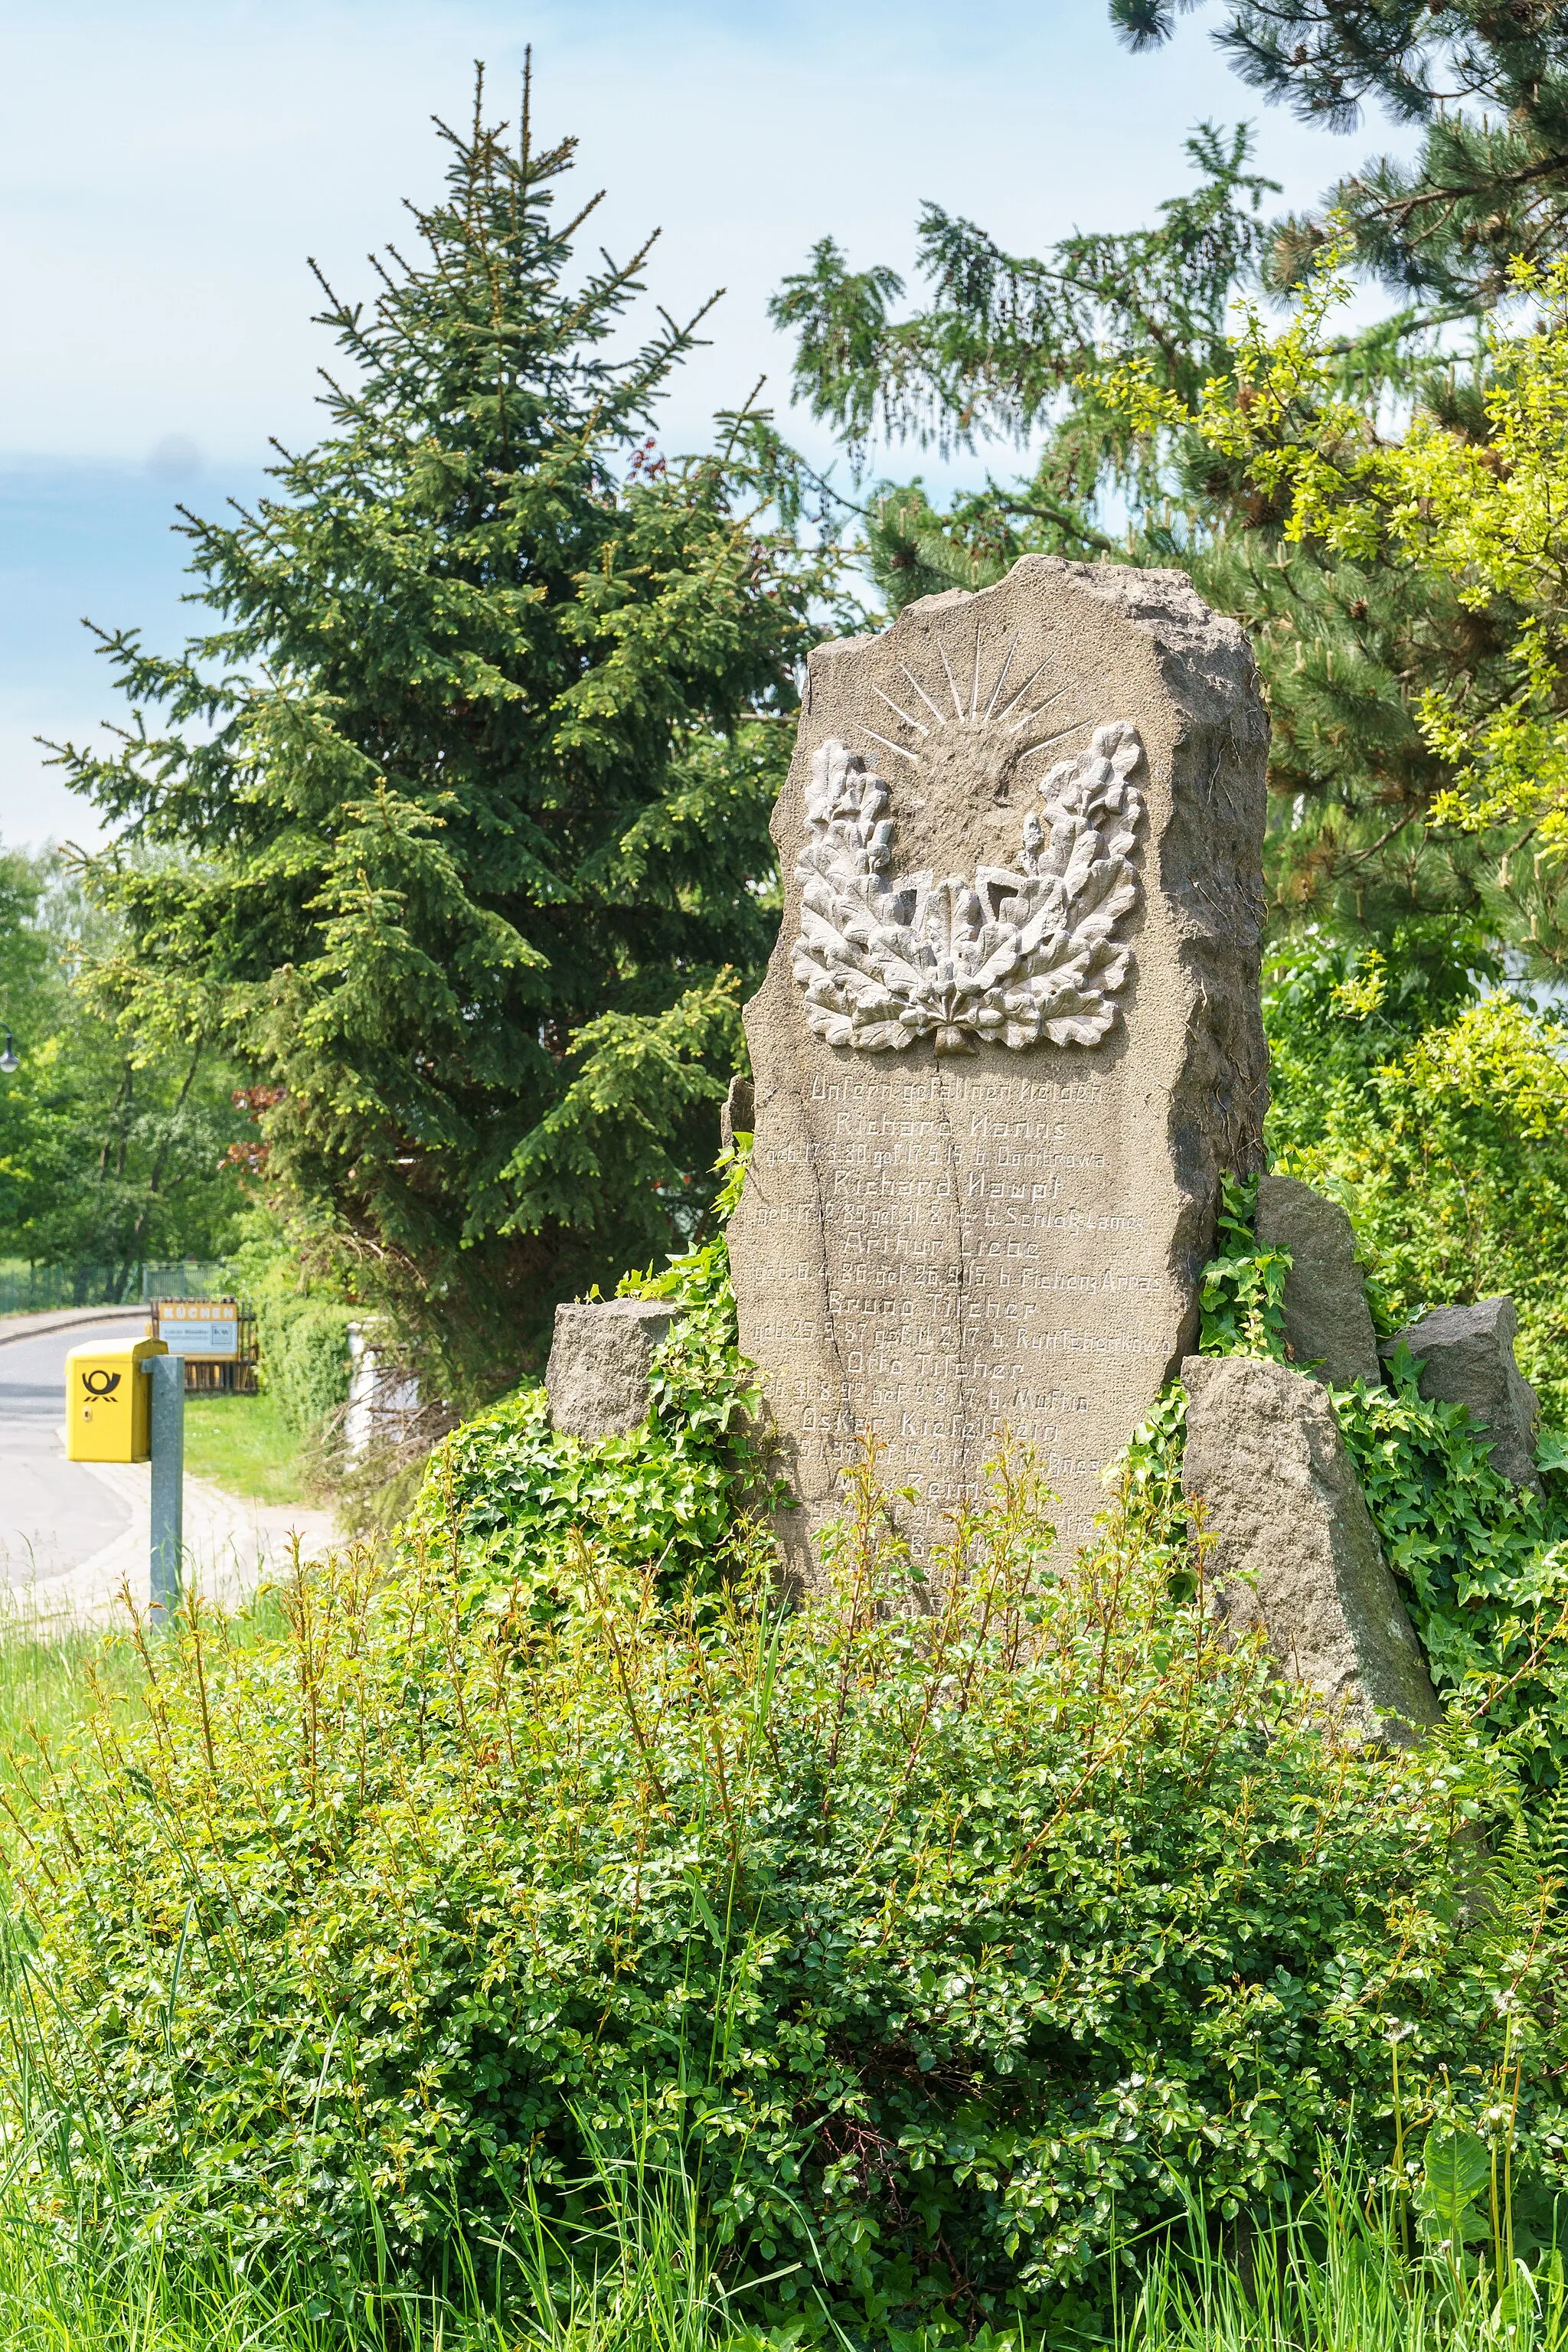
{"points": [[670, 1492], [1438, 1114], [939, 1940], [1484, 1563], [305, 1352], [302, 1325], [942, 1935]]}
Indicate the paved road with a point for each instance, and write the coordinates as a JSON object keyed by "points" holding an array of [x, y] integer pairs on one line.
{"points": [[54, 1514], [72, 1532]]}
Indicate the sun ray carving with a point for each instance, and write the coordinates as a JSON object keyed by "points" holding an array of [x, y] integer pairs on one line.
{"points": [[1010, 957]]}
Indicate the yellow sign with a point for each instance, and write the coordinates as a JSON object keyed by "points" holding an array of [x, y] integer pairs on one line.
{"points": [[109, 1403]]}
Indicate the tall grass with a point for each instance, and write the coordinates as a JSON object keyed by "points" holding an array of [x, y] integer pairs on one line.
{"points": [[55, 2298], [635, 2275], [632, 2276], [1341, 2275], [49, 1665]]}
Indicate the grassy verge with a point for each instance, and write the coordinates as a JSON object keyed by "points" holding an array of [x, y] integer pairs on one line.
{"points": [[637, 2277], [44, 1668], [245, 1445]]}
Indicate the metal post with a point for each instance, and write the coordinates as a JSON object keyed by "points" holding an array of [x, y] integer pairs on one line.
{"points": [[168, 1401]]}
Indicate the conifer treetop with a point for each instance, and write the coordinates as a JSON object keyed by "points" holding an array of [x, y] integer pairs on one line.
{"points": [[467, 780]]}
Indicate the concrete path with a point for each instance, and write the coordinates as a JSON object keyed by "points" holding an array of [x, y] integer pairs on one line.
{"points": [[66, 1318], [72, 1532]]}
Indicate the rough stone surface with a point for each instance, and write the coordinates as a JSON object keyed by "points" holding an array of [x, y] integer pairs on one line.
{"points": [[739, 1114], [1009, 1036], [1465, 1355], [1295, 1547], [599, 1361], [1328, 1323]]}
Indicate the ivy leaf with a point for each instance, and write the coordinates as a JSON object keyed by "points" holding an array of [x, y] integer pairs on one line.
{"points": [[1551, 1451]]}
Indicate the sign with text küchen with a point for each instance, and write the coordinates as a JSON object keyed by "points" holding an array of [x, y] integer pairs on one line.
{"points": [[199, 1327]]}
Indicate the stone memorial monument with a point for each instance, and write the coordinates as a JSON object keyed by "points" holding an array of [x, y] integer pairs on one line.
{"points": [[1009, 1038]]}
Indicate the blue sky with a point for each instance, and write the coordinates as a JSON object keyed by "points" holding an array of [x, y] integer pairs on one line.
{"points": [[165, 169]]}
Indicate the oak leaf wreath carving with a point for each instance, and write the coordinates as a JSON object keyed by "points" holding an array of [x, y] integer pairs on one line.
{"points": [[1007, 959]]}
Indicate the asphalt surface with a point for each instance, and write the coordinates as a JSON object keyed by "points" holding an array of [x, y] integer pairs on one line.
{"points": [[54, 1514]]}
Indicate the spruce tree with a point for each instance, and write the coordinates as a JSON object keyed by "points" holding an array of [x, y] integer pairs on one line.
{"points": [[469, 776]]}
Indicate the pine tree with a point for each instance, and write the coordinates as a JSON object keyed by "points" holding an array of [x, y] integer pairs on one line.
{"points": [[1009, 346], [1005, 343], [1487, 82], [471, 774]]}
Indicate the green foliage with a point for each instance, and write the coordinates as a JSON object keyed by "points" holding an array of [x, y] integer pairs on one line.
{"points": [[306, 1352], [935, 1937], [1346, 649], [1438, 1112], [1484, 1563], [668, 1492], [1241, 1299], [1346, 2272], [474, 770], [1008, 347], [1114, 355], [1337, 2273], [302, 1319], [1465, 506], [49, 1670], [115, 1145], [23, 951], [944, 1941], [1456, 2174], [1042, 324], [1488, 86]]}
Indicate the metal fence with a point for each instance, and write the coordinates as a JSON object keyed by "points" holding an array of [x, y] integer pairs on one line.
{"points": [[186, 1277], [27, 1289]]}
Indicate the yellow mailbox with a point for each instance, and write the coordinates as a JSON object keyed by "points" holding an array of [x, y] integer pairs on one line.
{"points": [[107, 1406]]}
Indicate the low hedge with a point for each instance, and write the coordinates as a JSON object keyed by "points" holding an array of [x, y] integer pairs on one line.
{"points": [[945, 1930]]}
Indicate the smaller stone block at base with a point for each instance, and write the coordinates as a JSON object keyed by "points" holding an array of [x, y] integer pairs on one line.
{"points": [[1465, 1356], [600, 1359], [1294, 1547], [1328, 1323]]}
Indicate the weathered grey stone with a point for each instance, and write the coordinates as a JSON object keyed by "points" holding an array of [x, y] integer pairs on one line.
{"points": [[1328, 1323], [600, 1357], [1465, 1355], [1294, 1545], [739, 1112], [1009, 1036]]}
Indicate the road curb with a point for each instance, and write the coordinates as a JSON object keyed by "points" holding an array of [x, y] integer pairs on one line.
{"points": [[66, 1319]]}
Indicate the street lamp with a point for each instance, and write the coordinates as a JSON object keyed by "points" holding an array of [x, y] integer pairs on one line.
{"points": [[10, 1059]]}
